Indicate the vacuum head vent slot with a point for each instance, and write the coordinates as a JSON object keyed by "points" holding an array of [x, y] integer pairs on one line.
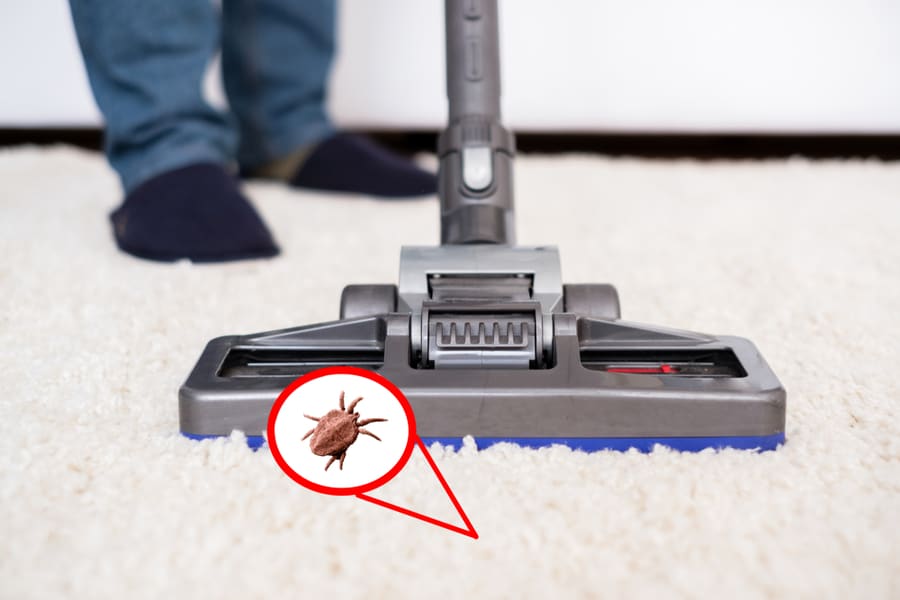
{"points": [[288, 362], [664, 362]]}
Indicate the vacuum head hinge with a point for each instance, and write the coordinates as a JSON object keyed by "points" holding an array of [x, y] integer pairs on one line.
{"points": [[492, 335]]}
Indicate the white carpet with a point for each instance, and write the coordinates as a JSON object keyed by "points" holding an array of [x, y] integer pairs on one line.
{"points": [[101, 498]]}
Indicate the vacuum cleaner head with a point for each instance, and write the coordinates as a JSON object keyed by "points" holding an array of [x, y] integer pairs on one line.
{"points": [[483, 338], [485, 341]]}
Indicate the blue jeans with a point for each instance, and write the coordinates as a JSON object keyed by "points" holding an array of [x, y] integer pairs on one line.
{"points": [[146, 60]]}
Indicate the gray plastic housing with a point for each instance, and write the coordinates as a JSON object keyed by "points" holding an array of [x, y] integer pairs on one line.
{"points": [[582, 377], [567, 399]]}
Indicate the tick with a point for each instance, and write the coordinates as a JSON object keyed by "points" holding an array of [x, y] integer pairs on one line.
{"points": [[337, 430]]}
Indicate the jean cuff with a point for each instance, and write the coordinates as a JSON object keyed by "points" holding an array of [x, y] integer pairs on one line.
{"points": [[286, 142], [135, 171]]}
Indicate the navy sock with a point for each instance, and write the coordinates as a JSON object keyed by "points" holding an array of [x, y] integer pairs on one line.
{"points": [[351, 163], [195, 212]]}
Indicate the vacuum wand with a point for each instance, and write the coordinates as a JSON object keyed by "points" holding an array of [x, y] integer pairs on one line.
{"points": [[475, 150]]}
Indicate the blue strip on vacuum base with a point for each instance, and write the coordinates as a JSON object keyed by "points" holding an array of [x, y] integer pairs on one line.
{"points": [[684, 444], [255, 442]]}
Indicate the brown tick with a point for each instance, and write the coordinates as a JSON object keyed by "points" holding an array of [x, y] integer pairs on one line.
{"points": [[336, 431]]}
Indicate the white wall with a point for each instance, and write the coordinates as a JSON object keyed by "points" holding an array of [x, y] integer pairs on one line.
{"points": [[571, 65]]}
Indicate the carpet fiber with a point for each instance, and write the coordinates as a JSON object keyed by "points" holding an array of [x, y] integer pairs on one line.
{"points": [[101, 497]]}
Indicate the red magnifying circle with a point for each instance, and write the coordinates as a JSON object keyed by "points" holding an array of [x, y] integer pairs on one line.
{"points": [[356, 489]]}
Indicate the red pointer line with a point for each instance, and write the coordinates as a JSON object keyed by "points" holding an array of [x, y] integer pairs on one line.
{"points": [[470, 532]]}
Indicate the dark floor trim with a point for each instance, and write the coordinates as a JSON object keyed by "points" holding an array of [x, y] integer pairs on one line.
{"points": [[886, 147]]}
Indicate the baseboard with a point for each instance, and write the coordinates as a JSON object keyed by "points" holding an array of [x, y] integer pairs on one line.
{"points": [[706, 146]]}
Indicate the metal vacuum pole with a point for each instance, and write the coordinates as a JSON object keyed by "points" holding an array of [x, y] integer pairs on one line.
{"points": [[475, 150]]}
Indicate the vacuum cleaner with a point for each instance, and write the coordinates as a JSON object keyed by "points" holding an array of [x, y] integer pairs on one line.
{"points": [[482, 336]]}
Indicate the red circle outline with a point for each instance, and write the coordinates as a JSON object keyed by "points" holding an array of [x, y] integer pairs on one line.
{"points": [[333, 491]]}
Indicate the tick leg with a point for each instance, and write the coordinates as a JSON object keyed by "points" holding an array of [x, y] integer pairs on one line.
{"points": [[341, 401], [353, 405], [367, 421], [308, 433], [330, 460], [367, 432], [312, 418], [343, 456]]}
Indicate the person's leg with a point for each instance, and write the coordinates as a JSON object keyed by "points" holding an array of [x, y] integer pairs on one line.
{"points": [[276, 58], [276, 55], [145, 62]]}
